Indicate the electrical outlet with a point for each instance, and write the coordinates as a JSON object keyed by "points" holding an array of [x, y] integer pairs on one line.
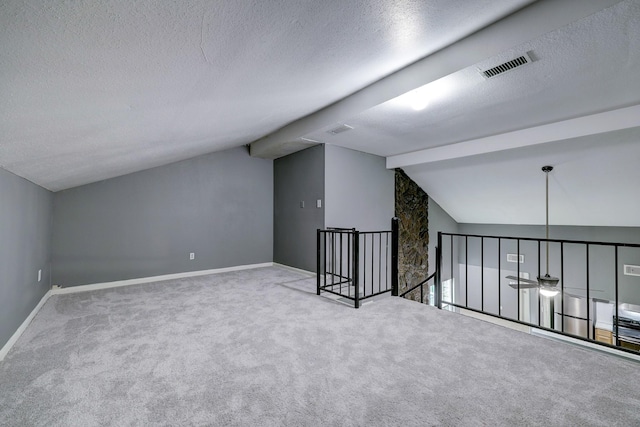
{"points": [[192, 255], [302, 204], [39, 275], [319, 203]]}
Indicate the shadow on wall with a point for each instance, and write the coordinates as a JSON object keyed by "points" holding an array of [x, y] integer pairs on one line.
{"points": [[411, 208]]}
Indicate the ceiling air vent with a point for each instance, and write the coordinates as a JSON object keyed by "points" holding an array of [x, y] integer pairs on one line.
{"points": [[339, 129], [506, 66]]}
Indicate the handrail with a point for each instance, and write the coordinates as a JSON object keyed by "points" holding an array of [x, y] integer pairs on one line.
{"points": [[612, 263], [345, 260], [534, 239], [419, 284]]}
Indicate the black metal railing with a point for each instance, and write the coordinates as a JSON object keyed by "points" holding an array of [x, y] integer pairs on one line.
{"points": [[423, 284], [357, 265], [592, 304]]}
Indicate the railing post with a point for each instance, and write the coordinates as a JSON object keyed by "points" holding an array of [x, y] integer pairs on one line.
{"points": [[318, 269], [356, 267], [438, 295], [394, 256]]}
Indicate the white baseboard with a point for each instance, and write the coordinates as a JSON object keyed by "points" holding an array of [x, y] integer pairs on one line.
{"points": [[297, 270], [548, 334], [107, 285], [5, 349], [593, 346], [83, 288], [496, 320], [129, 282]]}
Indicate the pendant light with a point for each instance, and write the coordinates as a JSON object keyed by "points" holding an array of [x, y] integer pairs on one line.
{"points": [[548, 284]]}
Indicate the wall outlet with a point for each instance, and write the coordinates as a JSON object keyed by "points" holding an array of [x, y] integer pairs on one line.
{"points": [[302, 204], [39, 275], [319, 203], [192, 255]]}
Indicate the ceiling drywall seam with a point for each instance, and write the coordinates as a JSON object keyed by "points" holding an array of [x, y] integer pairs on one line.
{"points": [[528, 23], [623, 118]]}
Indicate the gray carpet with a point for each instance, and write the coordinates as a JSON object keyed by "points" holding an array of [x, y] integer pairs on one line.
{"points": [[258, 348]]}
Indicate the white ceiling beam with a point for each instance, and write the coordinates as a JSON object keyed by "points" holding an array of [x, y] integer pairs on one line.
{"points": [[529, 23], [609, 121]]}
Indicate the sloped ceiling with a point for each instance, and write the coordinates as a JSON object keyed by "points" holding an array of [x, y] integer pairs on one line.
{"points": [[96, 89], [92, 90], [594, 182], [478, 146]]}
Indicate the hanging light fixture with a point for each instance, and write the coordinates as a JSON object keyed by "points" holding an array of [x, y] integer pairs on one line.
{"points": [[548, 284]]}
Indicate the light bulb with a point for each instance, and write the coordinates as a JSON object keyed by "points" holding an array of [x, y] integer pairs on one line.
{"points": [[548, 292], [419, 104]]}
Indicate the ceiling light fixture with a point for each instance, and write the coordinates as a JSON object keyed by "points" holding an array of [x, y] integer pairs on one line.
{"points": [[548, 283], [418, 99]]}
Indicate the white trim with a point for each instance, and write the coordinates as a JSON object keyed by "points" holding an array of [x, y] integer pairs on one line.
{"points": [[18, 333], [129, 282], [593, 346], [297, 270], [547, 334], [496, 320], [622, 118]]}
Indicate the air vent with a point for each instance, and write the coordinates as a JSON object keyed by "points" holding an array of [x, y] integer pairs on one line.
{"points": [[631, 270], [507, 66], [515, 258], [339, 129]]}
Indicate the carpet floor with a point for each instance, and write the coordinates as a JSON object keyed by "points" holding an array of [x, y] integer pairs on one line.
{"points": [[259, 348]]}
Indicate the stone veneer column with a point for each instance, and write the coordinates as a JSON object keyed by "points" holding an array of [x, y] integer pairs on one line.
{"points": [[411, 207]]}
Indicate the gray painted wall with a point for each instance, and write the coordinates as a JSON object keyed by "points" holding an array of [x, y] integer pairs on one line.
{"points": [[298, 177], [359, 190], [219, 206], [439, 220], [25, 247]]}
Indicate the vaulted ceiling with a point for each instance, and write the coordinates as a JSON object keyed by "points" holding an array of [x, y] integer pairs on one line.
{"points": [[96, 89]]}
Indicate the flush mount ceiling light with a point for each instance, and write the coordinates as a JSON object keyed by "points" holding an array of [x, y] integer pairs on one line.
{"points": [[420, 98]]}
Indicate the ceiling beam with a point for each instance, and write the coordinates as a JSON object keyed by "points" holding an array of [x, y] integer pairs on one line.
{"points": [[609, 121], [526, 24]]}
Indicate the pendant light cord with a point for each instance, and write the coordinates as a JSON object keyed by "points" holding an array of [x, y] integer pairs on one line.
{"points": [[547, 221]]}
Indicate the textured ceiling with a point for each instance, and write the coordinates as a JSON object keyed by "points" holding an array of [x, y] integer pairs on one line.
{"points": [[589, 66], [95, 89]]}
